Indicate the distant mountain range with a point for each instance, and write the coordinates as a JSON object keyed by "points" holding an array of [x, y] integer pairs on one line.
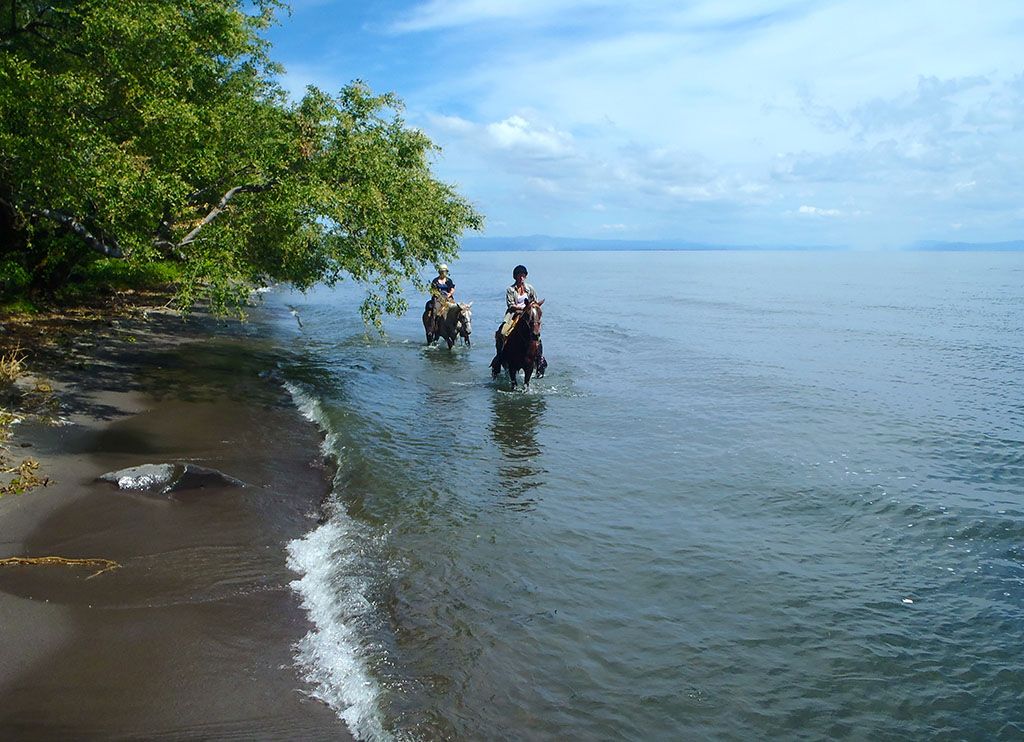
{"points": [[1012, 246], [540, 243]]}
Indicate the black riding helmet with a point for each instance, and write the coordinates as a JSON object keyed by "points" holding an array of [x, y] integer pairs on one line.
{"points": [[519, 269]]}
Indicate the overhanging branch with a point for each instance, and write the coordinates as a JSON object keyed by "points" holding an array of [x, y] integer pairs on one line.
{"points": [[32, 27], [221, 205], [69, 222]]}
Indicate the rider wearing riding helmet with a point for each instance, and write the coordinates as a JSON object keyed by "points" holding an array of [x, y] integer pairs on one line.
{"points": [[518, 295]]}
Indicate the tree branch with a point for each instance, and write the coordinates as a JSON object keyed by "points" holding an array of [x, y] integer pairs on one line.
{"points": [[32, 26], [221, 205], [69, 222]]}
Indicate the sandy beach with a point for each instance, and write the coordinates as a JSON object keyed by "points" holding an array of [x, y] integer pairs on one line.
{"points": [[190, 638]]}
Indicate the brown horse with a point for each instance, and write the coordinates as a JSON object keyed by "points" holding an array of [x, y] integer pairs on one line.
{"points": [[522, 349]]}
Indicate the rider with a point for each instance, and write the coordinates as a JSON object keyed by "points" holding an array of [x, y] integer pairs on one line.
{"points": [[516, 298], [443, 284], [442, 290]]}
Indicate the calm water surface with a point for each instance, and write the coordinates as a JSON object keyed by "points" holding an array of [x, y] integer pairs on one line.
{"points": [[757, 496]]}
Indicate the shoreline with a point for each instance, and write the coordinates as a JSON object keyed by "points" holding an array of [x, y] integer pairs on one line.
{"points": [[192, 637]]}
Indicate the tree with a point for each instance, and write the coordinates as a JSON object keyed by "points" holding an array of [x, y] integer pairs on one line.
{"points": [[156, 131]]}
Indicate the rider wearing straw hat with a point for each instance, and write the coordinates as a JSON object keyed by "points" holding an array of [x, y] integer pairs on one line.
{"points": [[442, 291], [443, 284]]}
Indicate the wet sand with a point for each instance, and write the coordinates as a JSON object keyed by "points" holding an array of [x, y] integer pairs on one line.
{"points": [[191, 637]]}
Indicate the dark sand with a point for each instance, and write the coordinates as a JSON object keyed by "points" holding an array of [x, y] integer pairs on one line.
{"points": [[191, 638]]}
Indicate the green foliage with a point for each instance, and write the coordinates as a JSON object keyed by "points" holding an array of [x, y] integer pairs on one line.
{"points": [[98, 277], [155, 132], [20, 305], [14, 279]]}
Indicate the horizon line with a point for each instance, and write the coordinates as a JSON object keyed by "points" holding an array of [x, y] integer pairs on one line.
{"points": [[542, 243]]}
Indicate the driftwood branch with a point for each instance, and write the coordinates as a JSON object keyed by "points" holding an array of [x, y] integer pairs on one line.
{"points": [[105, 564], [221, 205], [65, 220]]}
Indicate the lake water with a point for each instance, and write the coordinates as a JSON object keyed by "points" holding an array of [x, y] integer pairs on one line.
{"points": [[756, 496]]}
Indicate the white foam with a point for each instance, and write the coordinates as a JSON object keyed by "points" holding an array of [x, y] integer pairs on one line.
{"points": [[333, 593], [312, 408], [332, 589]]}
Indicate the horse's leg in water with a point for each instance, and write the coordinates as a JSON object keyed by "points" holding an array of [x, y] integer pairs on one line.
{"points": [[512, 372], [496, 363], [527, 372], [430, 322]]}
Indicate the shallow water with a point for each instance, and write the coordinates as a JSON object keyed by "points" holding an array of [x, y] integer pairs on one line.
{"points": [[757, 495], [191, 637]]}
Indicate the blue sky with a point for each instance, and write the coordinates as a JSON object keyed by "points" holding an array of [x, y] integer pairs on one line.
{"points": [[868, 124]]}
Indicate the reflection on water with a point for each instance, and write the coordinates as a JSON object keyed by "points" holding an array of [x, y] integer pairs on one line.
{"points": [[443, 359], [515, 420]]}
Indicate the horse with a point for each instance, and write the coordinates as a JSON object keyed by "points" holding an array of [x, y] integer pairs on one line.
{"points": [[449, 321], [522, 348], [431, 313]]}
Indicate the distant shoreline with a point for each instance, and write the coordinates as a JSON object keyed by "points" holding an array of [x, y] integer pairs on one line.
{"points": [[543, 243]]}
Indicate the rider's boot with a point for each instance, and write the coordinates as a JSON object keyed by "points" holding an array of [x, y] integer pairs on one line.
{"points": [[542, 363]]}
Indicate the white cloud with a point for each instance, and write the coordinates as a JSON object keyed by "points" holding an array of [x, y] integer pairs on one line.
{"points": [[445, 14], [516, 132], [515, 135], [699, 118], [544, 186], [453, 124], [815, 211]]}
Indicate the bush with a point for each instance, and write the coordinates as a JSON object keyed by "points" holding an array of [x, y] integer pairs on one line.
{"points": [[105, 276], [13, 280]]}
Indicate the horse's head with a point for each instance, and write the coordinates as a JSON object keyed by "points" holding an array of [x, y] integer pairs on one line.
{"points": [[533, 314], [465, 322]]}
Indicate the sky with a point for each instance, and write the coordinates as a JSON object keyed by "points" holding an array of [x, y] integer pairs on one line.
{"points": [[733, 122]]}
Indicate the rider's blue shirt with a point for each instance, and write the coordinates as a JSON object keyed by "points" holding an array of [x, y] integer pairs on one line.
{"points": [[445, 285]]}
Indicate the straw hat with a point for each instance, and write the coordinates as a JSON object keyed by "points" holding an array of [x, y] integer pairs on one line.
{"points": [[442, 268]]}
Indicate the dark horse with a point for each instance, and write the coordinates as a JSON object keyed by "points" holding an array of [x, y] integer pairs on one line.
{"points": [[522, 349]]}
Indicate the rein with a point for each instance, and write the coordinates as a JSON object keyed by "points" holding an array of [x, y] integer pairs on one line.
{"points": [[520, 319]]}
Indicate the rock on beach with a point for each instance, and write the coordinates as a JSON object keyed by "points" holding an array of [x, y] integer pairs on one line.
{"points": [[162, 479]]}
